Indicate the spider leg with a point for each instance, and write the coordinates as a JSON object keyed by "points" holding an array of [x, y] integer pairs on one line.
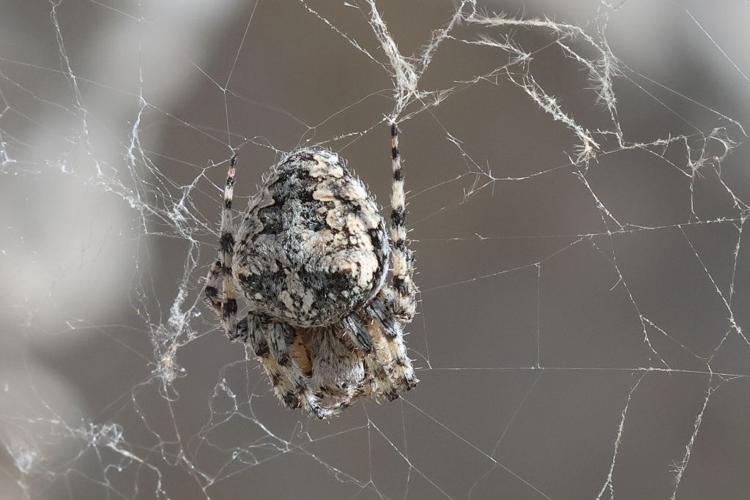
{"points": [[402, 257], [226, 242], [283, 382], [255, 335], [211, 291], [396, 304], [279, 337], [293, 388], [233, 329], [379, 376], [390, 347], [338, 375], [355, 331], [281, 354], [225, 302]]}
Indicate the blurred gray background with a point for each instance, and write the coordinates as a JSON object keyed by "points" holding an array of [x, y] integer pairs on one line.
{"points": [[583, 326]]}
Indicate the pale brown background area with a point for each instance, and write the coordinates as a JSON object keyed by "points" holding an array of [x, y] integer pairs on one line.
{"points": [[524, 374]]}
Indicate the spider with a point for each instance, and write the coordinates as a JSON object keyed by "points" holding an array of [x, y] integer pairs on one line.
{"points": [[328, 288]]}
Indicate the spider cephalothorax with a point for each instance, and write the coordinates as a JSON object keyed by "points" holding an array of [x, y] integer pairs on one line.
{"points": [[311, 258]]}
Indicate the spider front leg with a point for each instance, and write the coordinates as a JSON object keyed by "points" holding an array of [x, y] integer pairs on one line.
{"points": [[388, 338], [224, 302], [211, 290], [402, 259], [225, 308]]}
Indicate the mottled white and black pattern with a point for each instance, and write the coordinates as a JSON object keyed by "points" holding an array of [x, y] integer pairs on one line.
{"points": [[311, 257], [312, 246]]}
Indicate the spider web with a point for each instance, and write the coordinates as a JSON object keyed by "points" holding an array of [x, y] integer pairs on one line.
{"points": [[578, 200]]}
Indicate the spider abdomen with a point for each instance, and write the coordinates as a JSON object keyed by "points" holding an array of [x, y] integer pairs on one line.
{"points": [[312, 247]]}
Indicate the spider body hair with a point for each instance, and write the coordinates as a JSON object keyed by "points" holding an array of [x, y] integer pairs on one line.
{"points": [[311, 258]]}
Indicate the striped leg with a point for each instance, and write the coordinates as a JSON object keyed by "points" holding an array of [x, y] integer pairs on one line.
{"points": [[292, 387], [355, 331], [390, 350], [224, 302], [289, 368], [213, 283], [402, 257], [235, 330]]}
